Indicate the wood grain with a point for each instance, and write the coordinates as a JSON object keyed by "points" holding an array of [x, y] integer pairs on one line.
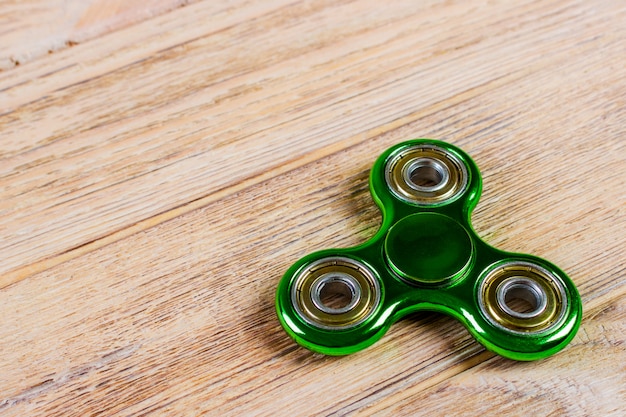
{"points": [[157, 179], [33, 28], [564, 387]]}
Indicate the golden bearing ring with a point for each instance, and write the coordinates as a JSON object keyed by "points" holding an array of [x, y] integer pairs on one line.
{"points": [[426, 175], [335, 293], [522, 297]]}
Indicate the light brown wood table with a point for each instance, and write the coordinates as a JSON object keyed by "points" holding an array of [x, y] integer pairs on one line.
{"points": [[163, 162]]}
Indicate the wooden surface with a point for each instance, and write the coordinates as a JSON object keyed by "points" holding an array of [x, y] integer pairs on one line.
{"points": [[163, 162]]}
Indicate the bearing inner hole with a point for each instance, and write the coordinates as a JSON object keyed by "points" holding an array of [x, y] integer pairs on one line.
{"points": [[336, 295], [426, 174], [521, 297]]}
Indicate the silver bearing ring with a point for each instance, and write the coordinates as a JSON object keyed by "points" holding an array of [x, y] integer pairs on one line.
{"points": [[522, 297], [335, 293], [426, 175]]}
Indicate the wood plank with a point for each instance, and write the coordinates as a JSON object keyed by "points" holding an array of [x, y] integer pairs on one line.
{"points": [[589, 381], [150, 159], [124, 47], [181, 315], [24, 36], [32, 29], [156, 182]]}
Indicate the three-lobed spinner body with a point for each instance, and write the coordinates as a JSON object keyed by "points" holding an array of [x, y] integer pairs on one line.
{"points": [[426, 256]]}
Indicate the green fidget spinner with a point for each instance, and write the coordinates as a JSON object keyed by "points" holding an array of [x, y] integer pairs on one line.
{"points": [[426, 256]]}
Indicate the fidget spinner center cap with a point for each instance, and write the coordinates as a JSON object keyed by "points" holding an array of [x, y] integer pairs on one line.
{"points": [[428, 248]]}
